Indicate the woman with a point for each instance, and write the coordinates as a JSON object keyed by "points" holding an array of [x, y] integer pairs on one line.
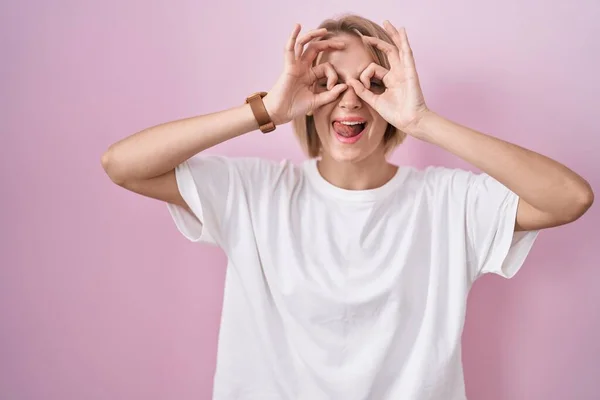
{"points": [[347, 276]]}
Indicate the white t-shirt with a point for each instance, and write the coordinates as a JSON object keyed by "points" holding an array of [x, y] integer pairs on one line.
{"points": [[335, 294]]}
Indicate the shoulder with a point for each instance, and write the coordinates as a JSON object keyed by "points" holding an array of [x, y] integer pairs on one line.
{"points": [[250, 172], [242, 165], [436, 178], [456, 183], [263, 168]]}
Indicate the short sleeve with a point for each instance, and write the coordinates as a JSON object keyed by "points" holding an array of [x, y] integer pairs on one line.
{"points": [[224, 195], [490, 215], [204, 184]]}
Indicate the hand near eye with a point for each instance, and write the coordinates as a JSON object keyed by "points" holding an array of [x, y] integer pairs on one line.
{"points": [[402, 103], [292, 94]]}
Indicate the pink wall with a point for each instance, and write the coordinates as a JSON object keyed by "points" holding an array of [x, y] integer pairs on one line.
{"points": [[101, 298]]}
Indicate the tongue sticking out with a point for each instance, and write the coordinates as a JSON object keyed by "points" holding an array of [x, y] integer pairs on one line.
{"points": [[347, 130]]}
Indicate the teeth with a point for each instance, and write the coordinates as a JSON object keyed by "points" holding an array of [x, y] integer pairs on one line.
{"points": [[349, 123]]}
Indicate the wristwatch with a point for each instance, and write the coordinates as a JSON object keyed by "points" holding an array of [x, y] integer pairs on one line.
{"points": [[260, 112]]}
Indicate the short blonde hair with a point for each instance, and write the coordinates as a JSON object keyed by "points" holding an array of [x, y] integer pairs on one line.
{"points": [[304, 125]]}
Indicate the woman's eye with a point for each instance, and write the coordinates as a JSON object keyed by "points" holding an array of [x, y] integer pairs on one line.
{"points": [[377, 86]]}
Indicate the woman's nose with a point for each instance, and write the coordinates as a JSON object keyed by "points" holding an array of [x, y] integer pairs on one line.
{"points": [[350, 100]]}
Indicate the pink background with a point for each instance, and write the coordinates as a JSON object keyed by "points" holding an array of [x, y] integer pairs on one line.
{"points": [[101, 298]]}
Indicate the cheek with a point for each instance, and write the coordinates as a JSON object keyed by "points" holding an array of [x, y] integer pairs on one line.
{"points": [[322, 117], [379, 124]]}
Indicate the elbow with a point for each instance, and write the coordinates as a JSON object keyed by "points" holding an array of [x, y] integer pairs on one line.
{"points": [[581, 202], [108, 164], [587, 198]]}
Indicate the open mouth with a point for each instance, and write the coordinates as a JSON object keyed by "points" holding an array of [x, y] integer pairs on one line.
{"points": [[349, 131]]}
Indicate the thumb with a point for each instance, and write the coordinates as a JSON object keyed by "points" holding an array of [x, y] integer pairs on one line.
{"points": [[362, 92], [330, 95]]}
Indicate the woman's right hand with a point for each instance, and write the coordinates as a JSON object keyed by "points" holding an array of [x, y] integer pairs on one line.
{"points": [[293, 94]]}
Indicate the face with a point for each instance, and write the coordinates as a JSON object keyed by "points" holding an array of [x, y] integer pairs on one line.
{"points": [[349, 129]]}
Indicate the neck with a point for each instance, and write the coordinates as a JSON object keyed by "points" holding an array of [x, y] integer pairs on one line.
{"points": [[369, 173]]}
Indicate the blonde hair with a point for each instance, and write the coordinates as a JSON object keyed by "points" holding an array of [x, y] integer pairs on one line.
{"points": [[304, 125]]}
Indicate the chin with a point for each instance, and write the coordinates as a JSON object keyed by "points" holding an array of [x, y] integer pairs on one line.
{"points": [[344, 153]]}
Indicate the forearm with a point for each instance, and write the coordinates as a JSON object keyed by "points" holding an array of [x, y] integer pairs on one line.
{"points": [[158, 149], [542, 182]]}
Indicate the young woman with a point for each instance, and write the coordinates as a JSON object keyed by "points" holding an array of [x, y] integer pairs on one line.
{"points": [[347, 275]]}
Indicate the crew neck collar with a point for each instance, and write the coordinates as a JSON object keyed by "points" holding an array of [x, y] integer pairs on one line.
{"points": [[326, 187]]}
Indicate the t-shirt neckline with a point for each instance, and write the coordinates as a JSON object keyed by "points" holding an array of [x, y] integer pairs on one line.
{"points": [[321, 184]]}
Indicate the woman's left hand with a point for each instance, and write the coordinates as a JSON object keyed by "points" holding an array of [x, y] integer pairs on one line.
{"points": [[402, 103]]}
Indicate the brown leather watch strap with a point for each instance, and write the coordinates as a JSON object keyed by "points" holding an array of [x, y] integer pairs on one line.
{"points": [[265, 123]]}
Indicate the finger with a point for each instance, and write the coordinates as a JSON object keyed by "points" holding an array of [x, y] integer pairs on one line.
{"points": [[393, 32], [374, 70], [299, 44], [327, 97], [362, 92], [400, 39], [390, 50], [313, 49], [404, 45], [325, 70], [405, 49], [291, 43]]}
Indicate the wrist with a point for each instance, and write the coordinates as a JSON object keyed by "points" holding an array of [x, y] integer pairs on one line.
{"points": [[272, 110], [423, 126], [260, 112]]}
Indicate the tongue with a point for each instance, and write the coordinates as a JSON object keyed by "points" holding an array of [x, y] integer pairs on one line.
{"points": [[347, 130]]}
